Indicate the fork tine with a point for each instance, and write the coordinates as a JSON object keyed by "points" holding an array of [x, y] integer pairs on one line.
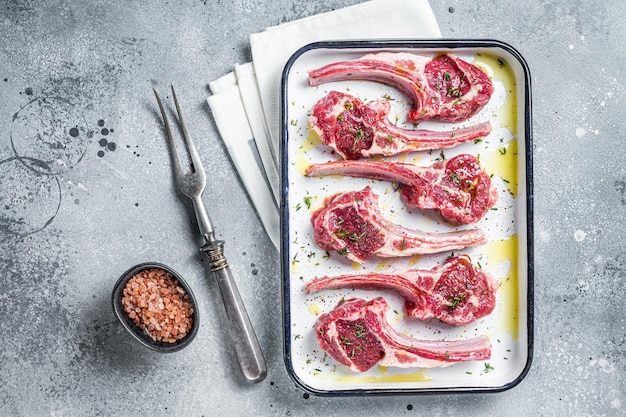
{"points": [[168, 131], [195, 157]]}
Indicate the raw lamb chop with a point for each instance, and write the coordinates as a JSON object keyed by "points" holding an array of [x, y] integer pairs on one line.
{"points": [[445, 88], [458, 188], [357, 335], [358, 130], [456, 293], [352, 224]]}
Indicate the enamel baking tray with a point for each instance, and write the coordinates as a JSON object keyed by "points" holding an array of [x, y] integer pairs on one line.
{"points": [[506, 154]]}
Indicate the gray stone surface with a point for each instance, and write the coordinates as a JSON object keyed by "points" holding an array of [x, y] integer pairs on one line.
{"points": [[68, 232]]}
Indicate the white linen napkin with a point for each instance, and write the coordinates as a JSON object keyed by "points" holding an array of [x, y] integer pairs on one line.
{"points": [[246, 102]]}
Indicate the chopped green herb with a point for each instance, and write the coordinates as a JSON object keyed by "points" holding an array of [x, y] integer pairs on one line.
{"points": [[298, 207], [343, 252], [446, 76], [360, 332], [454, 92], [307, 201], [456, 300], [488, 367], [355, 238]]}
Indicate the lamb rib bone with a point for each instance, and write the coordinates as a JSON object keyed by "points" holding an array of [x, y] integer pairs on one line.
{"points": [[356, 130], [458, 188], [357, 335], [457, 292], [445, 88], [351, 224]]}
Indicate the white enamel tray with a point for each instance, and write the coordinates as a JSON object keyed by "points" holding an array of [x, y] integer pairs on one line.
{"points": [[506, 154]]}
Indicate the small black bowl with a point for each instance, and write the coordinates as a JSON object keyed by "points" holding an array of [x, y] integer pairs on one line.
{"points": [[136, 332]]}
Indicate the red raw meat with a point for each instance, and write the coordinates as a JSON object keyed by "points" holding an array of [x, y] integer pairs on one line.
{"points": [[445, 88], [357, 335], [456, 293], [357, 130], [458, 188], [352, 224]]}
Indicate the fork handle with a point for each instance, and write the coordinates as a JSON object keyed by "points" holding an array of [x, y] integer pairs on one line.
{"points": [[247, 348]]}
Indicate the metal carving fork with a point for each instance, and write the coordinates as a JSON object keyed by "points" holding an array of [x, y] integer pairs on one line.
{"points": [[192, 184]]}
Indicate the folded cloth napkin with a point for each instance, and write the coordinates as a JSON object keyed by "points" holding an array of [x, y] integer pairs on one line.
{"points": [[246, 103]]}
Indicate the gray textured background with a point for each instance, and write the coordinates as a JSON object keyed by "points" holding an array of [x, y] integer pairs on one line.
{"points": [[67, 232]]}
